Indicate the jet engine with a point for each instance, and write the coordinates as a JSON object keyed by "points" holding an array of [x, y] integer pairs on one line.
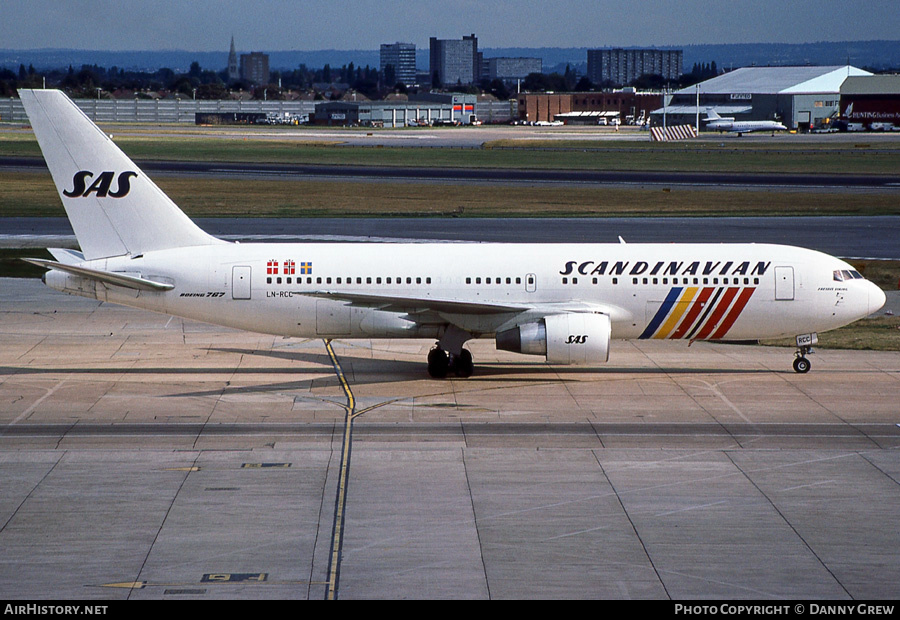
{"points": [[573, 338]]}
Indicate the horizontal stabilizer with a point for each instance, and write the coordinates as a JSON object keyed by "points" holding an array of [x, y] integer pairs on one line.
{"points": [[66, 256], [107, 277]]}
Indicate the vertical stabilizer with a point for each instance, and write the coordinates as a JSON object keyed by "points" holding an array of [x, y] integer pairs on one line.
{"points": [[114, 208]]}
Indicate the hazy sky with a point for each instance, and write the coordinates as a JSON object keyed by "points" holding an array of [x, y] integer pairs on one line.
{"points": [[273, 25]]}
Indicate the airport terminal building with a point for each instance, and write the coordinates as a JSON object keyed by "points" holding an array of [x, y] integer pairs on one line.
{"points": [[801, 98]]}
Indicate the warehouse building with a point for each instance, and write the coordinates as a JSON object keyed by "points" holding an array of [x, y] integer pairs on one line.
{"points": [[801, 98]]}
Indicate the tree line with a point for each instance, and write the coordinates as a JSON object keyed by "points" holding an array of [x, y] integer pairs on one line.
{"points": [[92, 81]]}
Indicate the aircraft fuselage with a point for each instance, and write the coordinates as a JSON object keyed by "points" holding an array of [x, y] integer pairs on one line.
{"points": [[684, 291]]}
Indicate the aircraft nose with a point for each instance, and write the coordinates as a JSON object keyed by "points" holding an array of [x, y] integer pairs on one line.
{"points": [[876, 298]]}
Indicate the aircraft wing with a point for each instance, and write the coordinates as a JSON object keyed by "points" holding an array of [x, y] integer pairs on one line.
{"points": [[422, 305], [393, 303]]}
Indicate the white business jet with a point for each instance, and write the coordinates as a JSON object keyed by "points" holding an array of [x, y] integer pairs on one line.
{"points": [[727, 123], [560, 301]]}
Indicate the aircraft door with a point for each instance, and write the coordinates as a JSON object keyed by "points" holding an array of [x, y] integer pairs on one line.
{"points": [[240, 282], [530, 282], [784, 283]]}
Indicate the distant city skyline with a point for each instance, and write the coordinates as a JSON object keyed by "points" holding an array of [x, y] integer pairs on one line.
{"points": [[274, 25]]}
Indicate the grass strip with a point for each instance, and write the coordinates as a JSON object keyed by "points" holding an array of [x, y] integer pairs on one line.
{"points": [[728, 156], [32, 194]]}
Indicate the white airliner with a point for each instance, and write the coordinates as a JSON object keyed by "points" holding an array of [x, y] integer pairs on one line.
{"points": [[561, 301], [727, 123]]}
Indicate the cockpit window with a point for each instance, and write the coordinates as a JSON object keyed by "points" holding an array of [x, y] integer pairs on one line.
{"points": [[846, 274]]}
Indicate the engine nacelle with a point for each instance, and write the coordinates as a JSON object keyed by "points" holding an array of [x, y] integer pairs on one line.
{"points": [[573, 338]]}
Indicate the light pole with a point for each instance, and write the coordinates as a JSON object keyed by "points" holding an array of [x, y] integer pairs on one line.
{"points": [[698, 110]]}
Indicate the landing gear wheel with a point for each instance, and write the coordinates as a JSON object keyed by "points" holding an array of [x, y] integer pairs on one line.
{"points": [[462, 364], [801, 364], [438, 363]]}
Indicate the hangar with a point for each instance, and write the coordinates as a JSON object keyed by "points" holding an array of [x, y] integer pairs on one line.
{"points": [[628, 105], [799, 97], [458, 109], [872, 102]]}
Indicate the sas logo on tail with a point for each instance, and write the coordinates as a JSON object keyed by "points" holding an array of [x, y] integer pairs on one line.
{"points": [[101, 185]]}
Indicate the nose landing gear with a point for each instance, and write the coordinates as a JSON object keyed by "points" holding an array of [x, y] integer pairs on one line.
{"points": [[801, 364], [805, 343]]}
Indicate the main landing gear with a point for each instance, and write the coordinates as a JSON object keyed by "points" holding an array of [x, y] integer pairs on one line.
{"points": [[441, 363], [448, 355]]}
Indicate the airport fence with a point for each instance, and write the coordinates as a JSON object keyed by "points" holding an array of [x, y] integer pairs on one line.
{"points": [[184, 110], [161, 110]]}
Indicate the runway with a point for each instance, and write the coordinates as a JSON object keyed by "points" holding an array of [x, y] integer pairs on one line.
{"points": [[717, 180], [848, 237], [146, 457]]}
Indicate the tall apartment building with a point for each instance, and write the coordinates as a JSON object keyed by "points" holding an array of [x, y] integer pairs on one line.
{"points": [[621, 66], [402, 56], [255, 67], [454, 61], [512, 68]]}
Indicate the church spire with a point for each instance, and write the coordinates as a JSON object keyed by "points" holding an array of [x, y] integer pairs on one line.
{"points": [[233, 74]]}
